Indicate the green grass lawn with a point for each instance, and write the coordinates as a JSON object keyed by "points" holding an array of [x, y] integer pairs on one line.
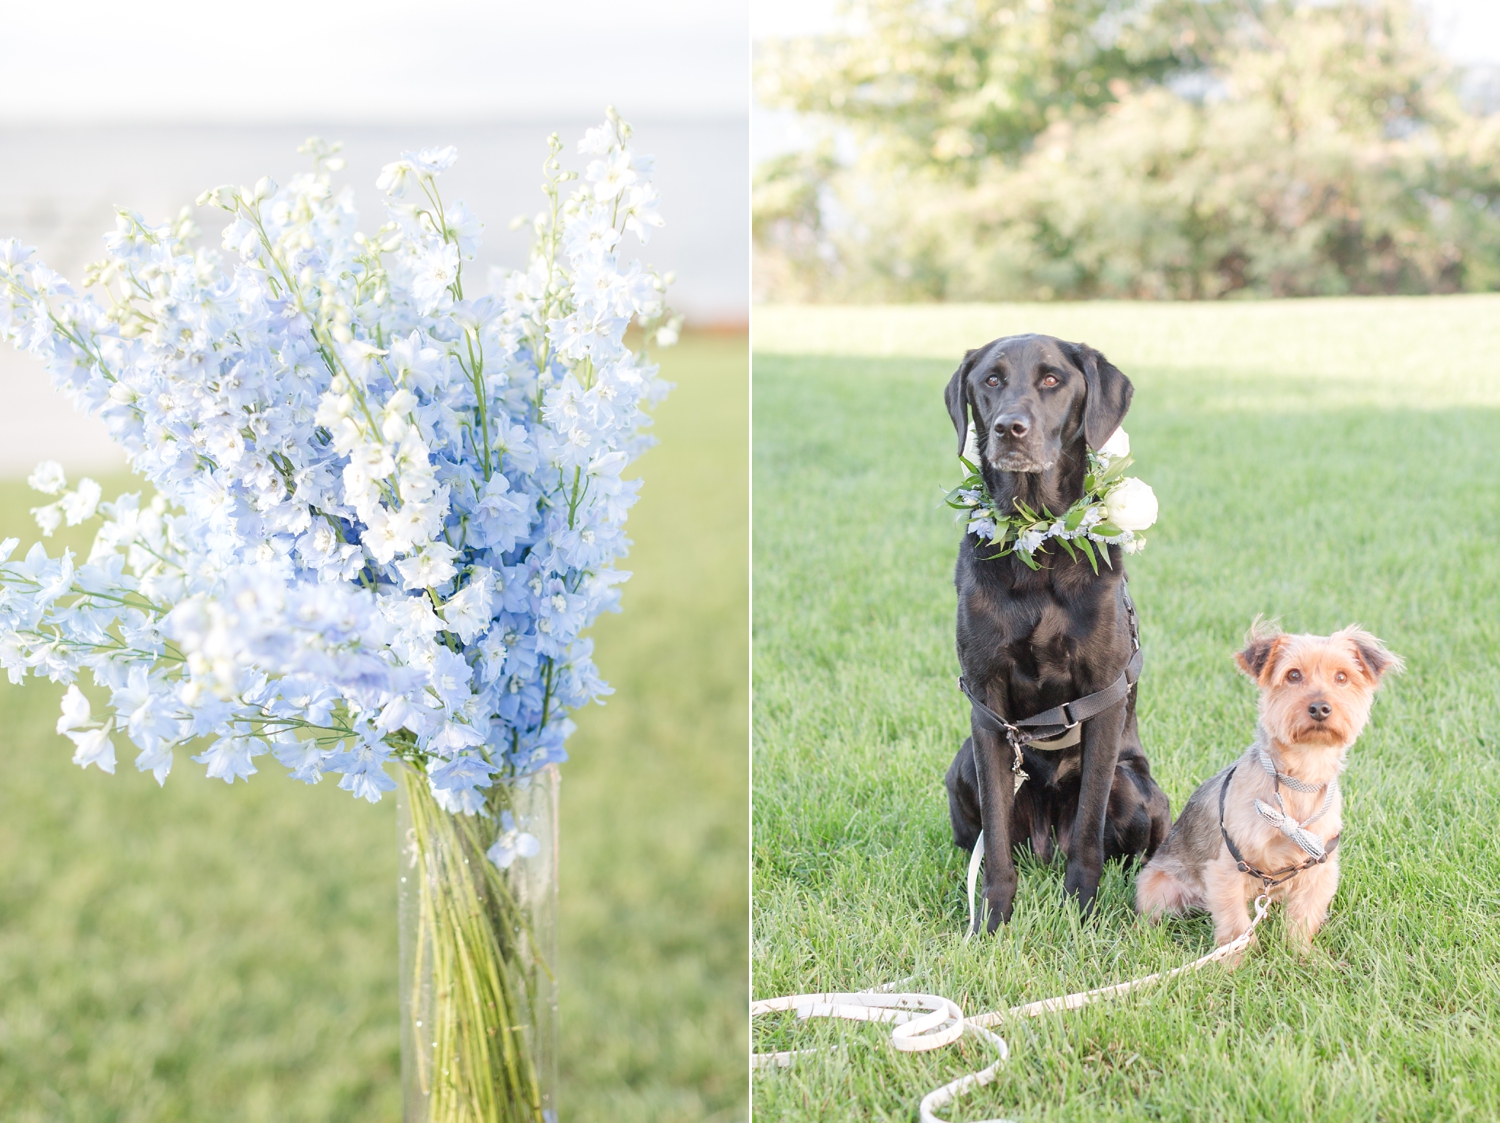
{"points": [[1318, 461], [206, 952]]}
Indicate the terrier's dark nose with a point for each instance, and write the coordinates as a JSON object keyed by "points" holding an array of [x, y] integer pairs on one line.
{"points": [[1012, 424], [1319, 711]]}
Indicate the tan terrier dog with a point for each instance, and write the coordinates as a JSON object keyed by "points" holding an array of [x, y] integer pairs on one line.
{"points": [[1271, 821]]}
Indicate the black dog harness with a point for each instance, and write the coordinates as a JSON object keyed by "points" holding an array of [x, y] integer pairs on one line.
{"points": [[1269, 880], [1054, 728]]}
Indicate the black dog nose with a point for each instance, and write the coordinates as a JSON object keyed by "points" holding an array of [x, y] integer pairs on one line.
{"points": [[1319, 710], [1012, 424]]}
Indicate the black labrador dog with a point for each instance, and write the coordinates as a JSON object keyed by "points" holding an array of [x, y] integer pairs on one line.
{"points": [[1030, 640]]}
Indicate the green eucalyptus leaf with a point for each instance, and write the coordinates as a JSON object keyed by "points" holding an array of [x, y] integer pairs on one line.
{"points": [[1088, 550]]}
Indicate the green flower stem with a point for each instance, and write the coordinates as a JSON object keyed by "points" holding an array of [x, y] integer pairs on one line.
{"points": [[476, 978]]}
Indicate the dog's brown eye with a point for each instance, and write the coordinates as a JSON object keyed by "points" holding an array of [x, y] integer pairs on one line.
{"points": [[1294, 676], [1050, 381], [992, 380], [1341, 677]]}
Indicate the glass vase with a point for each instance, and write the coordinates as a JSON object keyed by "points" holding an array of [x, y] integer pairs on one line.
{"points": [[478, 944]]}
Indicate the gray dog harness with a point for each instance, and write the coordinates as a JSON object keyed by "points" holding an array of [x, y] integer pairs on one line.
{"points": [[1315, 848], [1057, 728]]}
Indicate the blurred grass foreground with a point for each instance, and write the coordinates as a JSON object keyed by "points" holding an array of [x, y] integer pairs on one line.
{"points": [[205, 952]]}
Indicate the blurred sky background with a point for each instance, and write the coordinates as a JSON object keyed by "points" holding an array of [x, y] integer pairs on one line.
{"points": [[1467, 30], [145, 105]]}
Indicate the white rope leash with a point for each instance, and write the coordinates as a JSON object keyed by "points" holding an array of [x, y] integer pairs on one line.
{"points": [[943, 1022]]}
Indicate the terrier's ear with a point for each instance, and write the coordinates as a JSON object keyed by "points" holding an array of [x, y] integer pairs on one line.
{"points": [[957, 397], [1109, 393], [1374, 657], [1261, 645]]}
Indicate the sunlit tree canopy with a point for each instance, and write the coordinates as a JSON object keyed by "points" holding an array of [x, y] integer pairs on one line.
{"points": [[1031, 148]]}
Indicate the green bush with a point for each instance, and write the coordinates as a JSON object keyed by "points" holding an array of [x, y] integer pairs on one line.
{"points": [[1296, 149]]}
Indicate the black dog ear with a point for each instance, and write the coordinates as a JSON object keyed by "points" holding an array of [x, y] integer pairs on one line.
{"points": [[958, 399], [1109, 393]]}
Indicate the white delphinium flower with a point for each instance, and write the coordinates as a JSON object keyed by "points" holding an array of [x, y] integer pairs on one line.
{"points": [[93, 747], [984, 526], [640, 210], [468, 612], [432, 567], [612, 174], [80, 505], [464, 228], [48, 478], [431, 161], [433, 271], [76, 713], [397, 178], [669, 333], [1028, 541], [48, 518]]}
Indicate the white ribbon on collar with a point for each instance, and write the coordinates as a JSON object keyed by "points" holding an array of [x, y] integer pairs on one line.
{"points": [[1309, 843]]}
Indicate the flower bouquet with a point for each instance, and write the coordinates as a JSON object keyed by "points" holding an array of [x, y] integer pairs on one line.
{"points": [[382, 511]]}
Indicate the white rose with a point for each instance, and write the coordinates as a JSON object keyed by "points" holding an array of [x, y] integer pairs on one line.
{"points": [[1131, 505], [1117, 446]]}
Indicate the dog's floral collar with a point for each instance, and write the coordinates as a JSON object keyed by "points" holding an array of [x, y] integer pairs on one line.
{"points": [[1114, 509]]}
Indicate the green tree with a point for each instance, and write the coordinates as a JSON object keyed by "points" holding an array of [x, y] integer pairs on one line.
{"points": [[951, 82], [1295, 149]]}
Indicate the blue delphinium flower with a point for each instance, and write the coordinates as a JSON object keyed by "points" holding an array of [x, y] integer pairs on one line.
{"points": [[385, 507]]}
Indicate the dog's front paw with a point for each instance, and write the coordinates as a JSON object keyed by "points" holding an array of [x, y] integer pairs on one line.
{"points": [[1299, 935], [991, 915], [1229, 929], [1081, 887]]}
